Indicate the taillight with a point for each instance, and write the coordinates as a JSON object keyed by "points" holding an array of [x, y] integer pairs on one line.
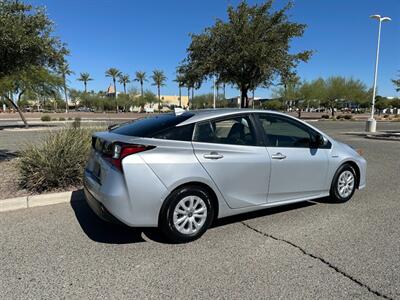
{"points": [[120, 151]]}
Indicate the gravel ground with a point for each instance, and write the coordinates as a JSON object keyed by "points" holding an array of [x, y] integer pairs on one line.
{"points": [[9, 187]]}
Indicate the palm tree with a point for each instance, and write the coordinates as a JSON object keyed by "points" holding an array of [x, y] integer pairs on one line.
{"points": [[180, 79], [114, 74], [124, 80], [141, 77], [159, 81], [65, 71], [85, 77]]}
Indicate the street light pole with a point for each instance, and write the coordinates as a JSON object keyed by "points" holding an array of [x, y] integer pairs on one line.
{"points": [[371, 122]]}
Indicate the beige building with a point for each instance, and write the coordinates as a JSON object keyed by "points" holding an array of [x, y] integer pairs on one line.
{"points": [[174, 100]]}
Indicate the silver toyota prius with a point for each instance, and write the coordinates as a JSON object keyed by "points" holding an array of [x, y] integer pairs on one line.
{"points": [[181, 171]]}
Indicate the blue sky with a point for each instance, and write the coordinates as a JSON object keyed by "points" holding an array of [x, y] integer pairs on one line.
{"points": [[148, 35]]}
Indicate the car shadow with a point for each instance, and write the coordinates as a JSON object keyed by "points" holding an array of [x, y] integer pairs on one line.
{"points": [[261, 213], [6, 154], [99, 230], [103, 232]]}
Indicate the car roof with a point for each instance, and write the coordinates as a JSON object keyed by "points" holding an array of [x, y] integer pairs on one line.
{"points": [[206, 114]]}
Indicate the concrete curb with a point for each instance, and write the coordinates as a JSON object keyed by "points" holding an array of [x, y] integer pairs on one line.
{"points": [[40, 200]]}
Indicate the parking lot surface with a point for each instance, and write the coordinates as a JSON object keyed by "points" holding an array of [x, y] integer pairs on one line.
{"points": [[309, 250]]}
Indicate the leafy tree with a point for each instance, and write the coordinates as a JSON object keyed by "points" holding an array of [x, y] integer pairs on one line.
{"points": [[114, 74], [35, 81], [124, 80], [338, 89], [26, 42], [65, 71], [140, 76], [158, 78], [396, 83], [26, 38], [85, 78], [381, 103], [273, 105], [248, 50]]}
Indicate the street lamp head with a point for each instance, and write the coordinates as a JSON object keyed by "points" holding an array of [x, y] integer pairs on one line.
{"points": [[380, 19]]}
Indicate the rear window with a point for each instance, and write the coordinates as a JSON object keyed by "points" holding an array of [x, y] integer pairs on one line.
{"points": [[151, 126]]}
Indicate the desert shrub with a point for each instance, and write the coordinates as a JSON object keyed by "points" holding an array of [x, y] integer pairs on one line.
{"points": [[69, 119], [45, 118], [54, 119], [348, 117], [386, 116], [56, 163], [61, 119], [76, 123], [339, 117], [325, 116]]}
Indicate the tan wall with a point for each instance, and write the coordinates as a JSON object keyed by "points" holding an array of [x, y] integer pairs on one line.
{"points": [[174, 100]]}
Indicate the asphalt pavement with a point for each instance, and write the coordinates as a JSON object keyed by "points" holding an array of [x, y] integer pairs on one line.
{"points": [[309, 250]]}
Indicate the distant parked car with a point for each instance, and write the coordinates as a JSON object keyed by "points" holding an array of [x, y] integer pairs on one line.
{"points": [[181, 172]]}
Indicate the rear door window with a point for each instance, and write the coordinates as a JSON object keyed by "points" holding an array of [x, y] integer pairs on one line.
{"points": [[235, 131]]}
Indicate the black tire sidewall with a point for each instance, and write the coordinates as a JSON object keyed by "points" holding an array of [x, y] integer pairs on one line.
{"points": [[334, 190], [166, 217]]}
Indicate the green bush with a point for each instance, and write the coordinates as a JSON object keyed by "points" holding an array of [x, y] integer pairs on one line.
{"points": [[69, 119], [61, 119], [45, 118], [76, 123], [338, 117], [348, 117], [325, 116], [57, 163]]}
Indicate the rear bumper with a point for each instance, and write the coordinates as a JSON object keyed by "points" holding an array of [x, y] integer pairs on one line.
{"points": [[99, 209]]}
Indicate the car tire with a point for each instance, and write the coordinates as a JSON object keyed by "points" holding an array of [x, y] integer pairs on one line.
{"points": [[343, 184], [186, 214]]}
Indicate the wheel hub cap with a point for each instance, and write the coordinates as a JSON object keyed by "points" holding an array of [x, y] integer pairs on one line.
{"points": [[190, 214], [345, 184]]}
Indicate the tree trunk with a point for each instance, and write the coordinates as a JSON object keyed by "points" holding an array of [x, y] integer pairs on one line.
{"points": [[299, 113], [115, 95], [224, 90], [125, 88], [333, 112], [85, 83], [141, 89], [18, 110], [243, 98], [188, 90], [159, 98], [180, 96], [66, 98]]}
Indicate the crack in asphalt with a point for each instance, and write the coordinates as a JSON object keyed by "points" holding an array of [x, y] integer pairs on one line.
{"points": [[325, 262]]}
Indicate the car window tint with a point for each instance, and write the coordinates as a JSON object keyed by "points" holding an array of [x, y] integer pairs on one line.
{"points": [[179, 133], [284, 132], [147, 127], [234, 131]]}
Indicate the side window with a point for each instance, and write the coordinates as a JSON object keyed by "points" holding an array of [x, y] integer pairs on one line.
{"points": [[178, 133], [234, 131], [284, 132]]}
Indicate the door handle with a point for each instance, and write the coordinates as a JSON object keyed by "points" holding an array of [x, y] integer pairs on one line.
{"points": [[213, 155], [278, 156]]}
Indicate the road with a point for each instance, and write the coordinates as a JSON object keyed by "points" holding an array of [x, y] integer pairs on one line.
{"points": [[310, 250]]}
